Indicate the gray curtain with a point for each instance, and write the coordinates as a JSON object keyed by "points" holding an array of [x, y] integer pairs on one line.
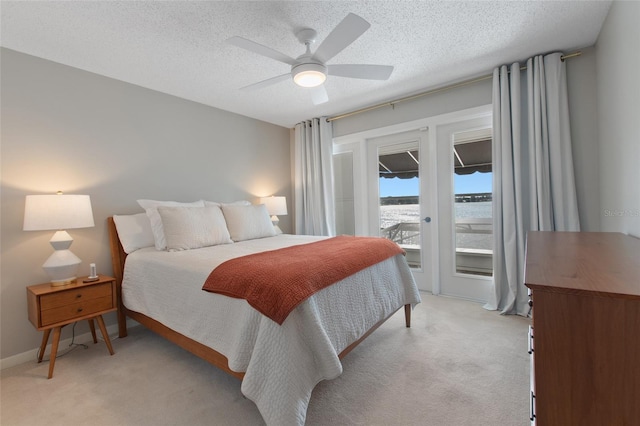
{"points": [[533, 179], [313, 182]]}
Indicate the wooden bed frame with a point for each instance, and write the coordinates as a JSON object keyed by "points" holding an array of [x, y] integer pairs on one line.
{"points": [[212, 356]]}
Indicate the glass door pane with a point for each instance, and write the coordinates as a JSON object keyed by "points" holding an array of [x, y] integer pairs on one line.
{"points": [[473, 206], [399, 197]]}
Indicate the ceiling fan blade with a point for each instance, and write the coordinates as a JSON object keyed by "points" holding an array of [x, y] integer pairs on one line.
{"points": [[267, 82], [261, 50], [319, 95], [345, 33], [368, 72]]}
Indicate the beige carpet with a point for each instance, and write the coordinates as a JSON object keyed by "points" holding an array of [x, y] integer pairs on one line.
{"points": [[457, 365]]}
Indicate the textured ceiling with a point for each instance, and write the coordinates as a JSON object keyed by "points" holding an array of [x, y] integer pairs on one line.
{"points": [[177, 47]]}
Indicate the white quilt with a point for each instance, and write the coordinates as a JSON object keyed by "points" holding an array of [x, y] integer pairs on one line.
{"points": [[282, 363]]}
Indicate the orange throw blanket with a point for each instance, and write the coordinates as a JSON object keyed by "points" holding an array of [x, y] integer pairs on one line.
{"points": [[275, 282]]}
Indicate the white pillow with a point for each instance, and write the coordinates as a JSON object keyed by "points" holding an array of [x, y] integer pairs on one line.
{"points": [[248, 222], [134, 231], [193, 227], [151, 207], [215, 203]]}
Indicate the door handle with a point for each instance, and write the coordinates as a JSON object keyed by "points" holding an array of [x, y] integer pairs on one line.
{"points": [[427, 219]]}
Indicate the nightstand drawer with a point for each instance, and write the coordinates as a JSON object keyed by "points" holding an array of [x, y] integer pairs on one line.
{"points": [[79, 309], [72, 296]]}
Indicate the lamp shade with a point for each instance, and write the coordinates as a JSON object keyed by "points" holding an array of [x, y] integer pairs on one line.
{"points": [[46, 212], [275, 205]]}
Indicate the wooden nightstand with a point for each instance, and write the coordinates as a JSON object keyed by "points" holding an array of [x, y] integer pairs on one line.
{"points": [[54, 307]]}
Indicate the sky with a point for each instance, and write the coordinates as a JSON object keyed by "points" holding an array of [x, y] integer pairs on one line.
{"points": [[463, 184]]}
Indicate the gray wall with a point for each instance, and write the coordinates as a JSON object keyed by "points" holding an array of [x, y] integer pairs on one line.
{"points": [[70, 130], [618, 65], [457, 99], [581, 86]]}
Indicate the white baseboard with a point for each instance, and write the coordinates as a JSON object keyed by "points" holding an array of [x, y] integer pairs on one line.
{"points": [[32, 355]]}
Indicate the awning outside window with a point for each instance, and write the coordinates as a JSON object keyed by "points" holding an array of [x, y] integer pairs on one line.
{"points": [[469, 157], [403, 165]]}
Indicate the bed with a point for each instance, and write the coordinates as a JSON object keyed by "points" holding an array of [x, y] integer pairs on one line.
{"points": [[279, 364]]}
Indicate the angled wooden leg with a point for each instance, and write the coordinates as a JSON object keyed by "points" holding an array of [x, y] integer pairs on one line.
{"points": [[407, 315], [54, 350], [43, 345], [92, 326], [105, 336]]}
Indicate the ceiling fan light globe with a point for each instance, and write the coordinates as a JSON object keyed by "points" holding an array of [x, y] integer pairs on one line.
{"points": [[309, 75], [309, 78]]}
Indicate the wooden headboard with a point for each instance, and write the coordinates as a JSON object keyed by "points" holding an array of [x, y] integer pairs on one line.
{"points": [[118, 256]]}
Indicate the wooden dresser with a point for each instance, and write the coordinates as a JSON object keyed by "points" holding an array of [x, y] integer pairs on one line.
{"points": [[585, 341]]}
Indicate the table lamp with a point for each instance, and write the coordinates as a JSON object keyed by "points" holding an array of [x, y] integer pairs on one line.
{"points": [[59, 212], [275, 206]]}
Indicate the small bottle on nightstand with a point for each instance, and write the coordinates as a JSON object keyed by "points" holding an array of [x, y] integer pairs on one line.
{"points": [[93, 276]]}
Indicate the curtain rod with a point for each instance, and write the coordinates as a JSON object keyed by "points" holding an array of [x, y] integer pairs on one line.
{"points": [[430, 92]]}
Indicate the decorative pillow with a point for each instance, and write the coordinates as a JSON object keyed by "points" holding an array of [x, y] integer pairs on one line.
{"points": [[151, 207], [193, 227], [248, 222], [134, 231]]}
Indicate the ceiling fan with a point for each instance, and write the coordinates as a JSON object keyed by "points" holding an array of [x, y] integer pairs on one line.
{"points": [[310, 69]]}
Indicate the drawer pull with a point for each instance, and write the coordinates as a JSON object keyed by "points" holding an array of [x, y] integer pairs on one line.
{"points": [[79, 310], [532, 405], [78, 296]]}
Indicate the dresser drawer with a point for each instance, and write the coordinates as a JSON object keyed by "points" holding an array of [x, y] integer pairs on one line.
{"points": [[72, 296], [74, 310]]}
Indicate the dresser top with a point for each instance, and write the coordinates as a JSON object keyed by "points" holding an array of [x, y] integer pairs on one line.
{"points": [[603, 263]]}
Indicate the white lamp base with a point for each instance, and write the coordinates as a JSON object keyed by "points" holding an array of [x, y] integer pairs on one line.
{"points": [[276, 221], [62, 265]]}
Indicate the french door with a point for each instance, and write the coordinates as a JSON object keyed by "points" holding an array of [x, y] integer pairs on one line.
{"points": [[464, 203], [399, 197], [403, 182]]}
